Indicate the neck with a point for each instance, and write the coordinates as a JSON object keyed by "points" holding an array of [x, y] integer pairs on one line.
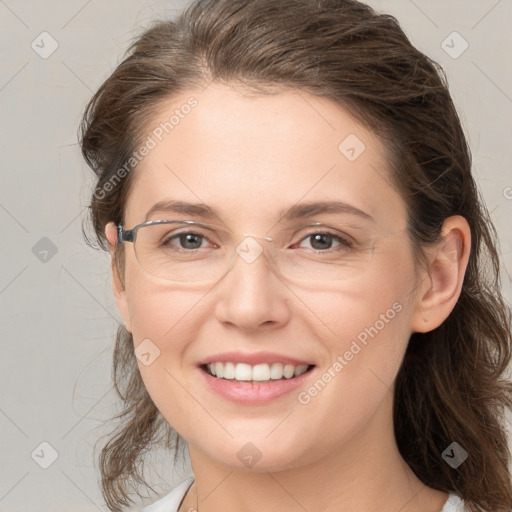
{"points": [[364, 473]]}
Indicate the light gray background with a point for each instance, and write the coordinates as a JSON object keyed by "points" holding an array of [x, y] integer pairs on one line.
{"points": [[57, 318]]}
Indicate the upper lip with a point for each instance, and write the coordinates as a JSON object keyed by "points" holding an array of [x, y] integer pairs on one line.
{"points": [[252, 358]]}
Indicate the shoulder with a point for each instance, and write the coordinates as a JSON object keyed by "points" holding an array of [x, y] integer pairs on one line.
{"points": [[170, 502], [454, 504]]}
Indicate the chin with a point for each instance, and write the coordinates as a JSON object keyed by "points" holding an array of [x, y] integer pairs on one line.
{"points": [[258, 456]]}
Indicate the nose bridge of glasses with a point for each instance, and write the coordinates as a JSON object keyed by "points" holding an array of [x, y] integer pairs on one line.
{"points": [[249, 249], [267, 238]]}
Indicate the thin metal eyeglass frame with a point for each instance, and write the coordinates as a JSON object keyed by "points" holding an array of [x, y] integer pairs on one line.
{"points": [[130, 235]]}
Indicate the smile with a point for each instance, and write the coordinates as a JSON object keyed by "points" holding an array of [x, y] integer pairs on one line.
{"points": [[255, 373]]}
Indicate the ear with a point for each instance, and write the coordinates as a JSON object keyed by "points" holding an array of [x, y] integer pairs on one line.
{"points": [[117, 280], [442, 280]]}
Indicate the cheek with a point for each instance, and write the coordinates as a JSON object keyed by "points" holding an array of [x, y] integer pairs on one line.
{"points": [[365, 329], [157, 311], [364, 346], [167, 323], [366, 326]]}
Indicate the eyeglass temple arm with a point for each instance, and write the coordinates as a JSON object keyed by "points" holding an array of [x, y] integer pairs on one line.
{"points": [[125, 235]]}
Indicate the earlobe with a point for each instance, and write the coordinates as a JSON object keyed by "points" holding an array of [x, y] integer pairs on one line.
{"points": [[118, 285], [442, 284]]}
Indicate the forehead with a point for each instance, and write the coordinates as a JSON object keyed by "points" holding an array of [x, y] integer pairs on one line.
{"points": [[251, 155]]}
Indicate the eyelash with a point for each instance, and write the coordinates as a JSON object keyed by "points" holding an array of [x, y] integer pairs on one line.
{"points": [[344, 243]]}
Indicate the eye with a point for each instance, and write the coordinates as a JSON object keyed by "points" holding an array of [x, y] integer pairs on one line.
{"points": [[186, 240], [325, 241]]}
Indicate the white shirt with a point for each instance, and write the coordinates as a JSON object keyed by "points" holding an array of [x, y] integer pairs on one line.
{"points": [[171, 501]]}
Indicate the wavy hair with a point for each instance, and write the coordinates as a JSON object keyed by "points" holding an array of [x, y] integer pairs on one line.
{"points": [[451, 385]]}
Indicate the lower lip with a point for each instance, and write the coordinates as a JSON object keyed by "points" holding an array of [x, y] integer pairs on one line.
{"points": [[250, 393]]}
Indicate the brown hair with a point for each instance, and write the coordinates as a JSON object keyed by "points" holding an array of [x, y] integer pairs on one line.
{"points": [[451, 386]]}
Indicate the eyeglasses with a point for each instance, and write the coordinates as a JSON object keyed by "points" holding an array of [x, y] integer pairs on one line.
{"points": [[187, 251]]}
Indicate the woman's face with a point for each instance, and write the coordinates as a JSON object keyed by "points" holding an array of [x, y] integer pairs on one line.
{"points": [[250, 158]]}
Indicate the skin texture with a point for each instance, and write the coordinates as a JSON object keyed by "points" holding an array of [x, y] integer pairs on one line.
{"points": [[249, 156]]}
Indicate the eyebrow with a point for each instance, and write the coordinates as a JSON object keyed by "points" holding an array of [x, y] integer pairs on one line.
{"points": [[297, 211]]}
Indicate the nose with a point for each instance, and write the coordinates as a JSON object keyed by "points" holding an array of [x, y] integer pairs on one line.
{"points": [[251, 295]]}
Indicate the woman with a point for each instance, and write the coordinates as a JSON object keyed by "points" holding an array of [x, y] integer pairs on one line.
{"points": [[307, 278]]}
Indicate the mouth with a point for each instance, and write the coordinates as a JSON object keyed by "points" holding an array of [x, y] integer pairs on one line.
{"points": [[259, 373]]}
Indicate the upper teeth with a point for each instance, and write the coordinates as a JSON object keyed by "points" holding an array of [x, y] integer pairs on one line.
{"points": [[259, 372]]}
